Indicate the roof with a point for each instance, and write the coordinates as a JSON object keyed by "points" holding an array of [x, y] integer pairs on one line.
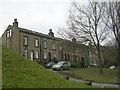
{"points": [[44, 35], [41, 34]]}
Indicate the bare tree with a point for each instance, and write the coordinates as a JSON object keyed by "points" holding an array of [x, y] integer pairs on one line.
{"points": [[112, 20], [63, 33], [86, 24]]}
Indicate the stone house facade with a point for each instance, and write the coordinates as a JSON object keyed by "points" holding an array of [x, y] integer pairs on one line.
{"points": [[43, 48]]}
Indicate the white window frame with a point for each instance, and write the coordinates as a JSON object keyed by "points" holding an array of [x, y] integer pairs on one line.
{"points": [[8, 33], [53, 46], [45, 44], [45, 55], [54, 55], [32, 56], [36, 54], [25, 53], [36, 42], [25, 40], [61, 48]]}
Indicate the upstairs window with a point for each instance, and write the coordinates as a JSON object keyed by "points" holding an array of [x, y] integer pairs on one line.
{"points": [[36, 54], [61, 48], [53, 46], [25, 40], [45, 44], [8, 33], [36, 42]]}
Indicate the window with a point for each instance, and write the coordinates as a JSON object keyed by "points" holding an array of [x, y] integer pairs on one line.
{"points": [[53, 46], [8, 33], [25, 40], [61, 48], [32, 55], [45, 55], [54, 55], [25, 53], [36, 54], [36, 42], [45, 44]]}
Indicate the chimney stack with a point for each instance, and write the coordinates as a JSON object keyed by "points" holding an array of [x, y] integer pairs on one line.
{"points": [[51, 33], [73, 40], [15, 23]]}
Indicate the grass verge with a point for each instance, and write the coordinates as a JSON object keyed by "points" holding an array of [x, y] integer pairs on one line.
{"points": [[18, 72], [109, 75]]}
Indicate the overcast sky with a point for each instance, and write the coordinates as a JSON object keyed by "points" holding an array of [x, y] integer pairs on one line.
{"points": [[36, 15]]}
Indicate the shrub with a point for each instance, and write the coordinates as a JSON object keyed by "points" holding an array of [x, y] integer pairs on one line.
{"points": [[75, 65], [54, 60]]}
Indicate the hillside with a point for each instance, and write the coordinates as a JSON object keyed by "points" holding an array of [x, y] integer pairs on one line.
{"points": [[18, 72]]}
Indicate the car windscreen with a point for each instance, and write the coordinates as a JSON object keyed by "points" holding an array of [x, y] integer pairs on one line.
{"points": [[51, 63], [60, 63]]}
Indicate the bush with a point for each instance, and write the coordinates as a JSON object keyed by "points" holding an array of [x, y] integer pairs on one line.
{"points": [[54, 60], [75, 65]]}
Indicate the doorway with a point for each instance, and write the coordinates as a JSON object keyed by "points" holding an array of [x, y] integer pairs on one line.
{"points": [[32, 55], [49, 56]]}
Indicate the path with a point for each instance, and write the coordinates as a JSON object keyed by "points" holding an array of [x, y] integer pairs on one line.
{"points": [[85, 81]]}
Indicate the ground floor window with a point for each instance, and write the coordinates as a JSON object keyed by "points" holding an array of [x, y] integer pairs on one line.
{"points": [[36, 54], [25, 53], [54, 55], [32, 55], [45, 55]]}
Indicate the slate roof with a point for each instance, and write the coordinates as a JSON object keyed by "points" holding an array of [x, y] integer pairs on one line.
{"points": [[45, 35]]}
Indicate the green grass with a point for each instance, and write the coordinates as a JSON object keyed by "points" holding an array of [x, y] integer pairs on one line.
{"points": [[18, 72], [109, 75]]}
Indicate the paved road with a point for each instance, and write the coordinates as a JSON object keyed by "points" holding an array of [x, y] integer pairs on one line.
{"points": [[84, 81]]}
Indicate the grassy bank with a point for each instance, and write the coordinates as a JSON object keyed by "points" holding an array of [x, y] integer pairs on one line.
{"points": [[109, 75], [18, 72]]}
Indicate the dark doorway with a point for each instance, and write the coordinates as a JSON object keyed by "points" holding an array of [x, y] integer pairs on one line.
{"points": [[75, 59], [61, 56], [68, 57], [65, 57], [49, 56]]}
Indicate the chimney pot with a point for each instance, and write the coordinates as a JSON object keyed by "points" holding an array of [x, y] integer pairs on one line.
{"points": [[15, 23], [51, 33]]}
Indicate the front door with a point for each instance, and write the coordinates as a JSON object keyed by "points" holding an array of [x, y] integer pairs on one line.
{"points": [[32, 55], [49, 56]]}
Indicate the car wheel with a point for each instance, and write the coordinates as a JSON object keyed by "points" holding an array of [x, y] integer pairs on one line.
{"points": [[51, 67], [69, 68], [61, 68]]}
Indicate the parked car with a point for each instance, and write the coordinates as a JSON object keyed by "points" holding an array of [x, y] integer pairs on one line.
{"points": [[49, 65], [112, 67], [62, 65]]}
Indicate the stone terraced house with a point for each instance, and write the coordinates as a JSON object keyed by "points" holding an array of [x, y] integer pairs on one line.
{"points": [[43, 48]]}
